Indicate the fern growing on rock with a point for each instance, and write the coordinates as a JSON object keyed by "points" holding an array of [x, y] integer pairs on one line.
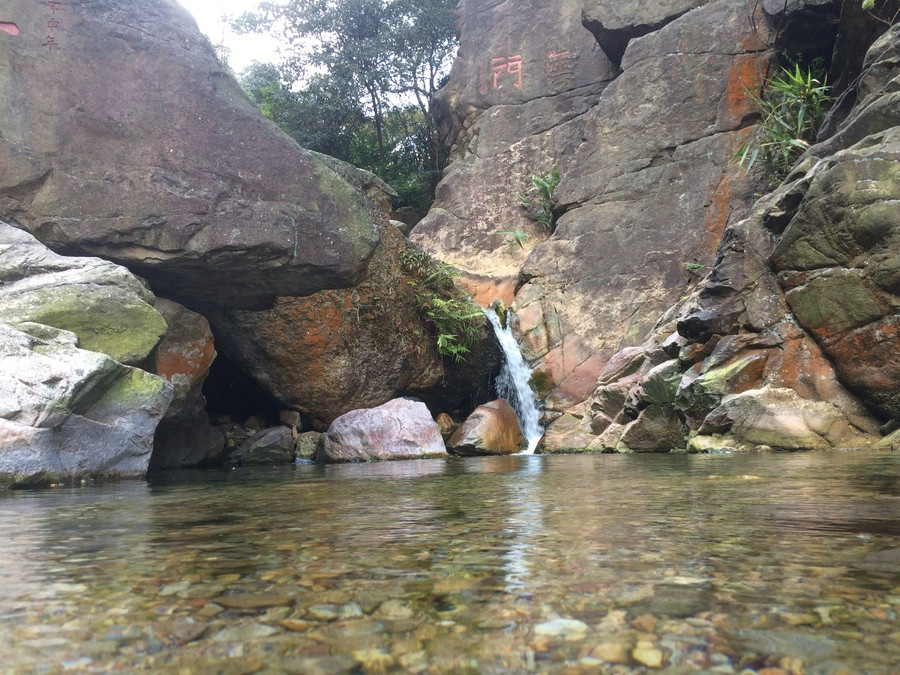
{"points": [[442, 304]]}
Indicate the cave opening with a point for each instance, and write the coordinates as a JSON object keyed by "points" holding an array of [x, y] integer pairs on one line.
{"points": [[233, 396]]}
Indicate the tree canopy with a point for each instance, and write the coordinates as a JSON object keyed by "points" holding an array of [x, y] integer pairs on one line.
{"points": [[358, 82]]}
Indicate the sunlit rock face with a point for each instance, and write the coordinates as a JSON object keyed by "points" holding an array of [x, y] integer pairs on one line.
{"points": [[641, 109], [491, 429], [122, 137]]}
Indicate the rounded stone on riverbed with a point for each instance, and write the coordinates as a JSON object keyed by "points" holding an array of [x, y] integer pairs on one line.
{"points": [[394, 610], [254, 601], [241, 633], [570, 629], [647, 654], [402, 428], [612, 652], [491, 429]]}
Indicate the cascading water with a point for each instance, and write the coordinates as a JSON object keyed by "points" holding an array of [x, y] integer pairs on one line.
{"points": [[513, 383]]}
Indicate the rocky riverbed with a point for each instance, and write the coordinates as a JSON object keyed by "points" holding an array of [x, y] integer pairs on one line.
{"points": [[622, 564]]}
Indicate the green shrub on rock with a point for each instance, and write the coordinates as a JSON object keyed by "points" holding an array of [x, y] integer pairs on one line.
{"points": [[442, 303]]}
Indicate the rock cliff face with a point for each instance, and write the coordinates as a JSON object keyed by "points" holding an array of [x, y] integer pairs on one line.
{"points": [[660, 308], [643, 139], [790, 341]]}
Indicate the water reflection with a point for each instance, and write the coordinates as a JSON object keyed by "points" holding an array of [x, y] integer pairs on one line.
{"points": [[481, 564], [524, 522]]}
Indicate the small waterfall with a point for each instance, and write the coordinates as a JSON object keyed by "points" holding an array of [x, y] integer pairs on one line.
{"points": [[513, 383]]}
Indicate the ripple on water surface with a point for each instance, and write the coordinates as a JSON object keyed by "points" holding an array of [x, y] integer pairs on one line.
{"points": [[495, 565]]}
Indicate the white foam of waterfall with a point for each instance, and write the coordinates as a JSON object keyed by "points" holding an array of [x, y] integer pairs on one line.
{"points": [[513, 383]]}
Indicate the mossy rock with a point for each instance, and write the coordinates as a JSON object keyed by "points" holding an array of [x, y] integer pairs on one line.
{"points": [[106, 319], [834, 303]]}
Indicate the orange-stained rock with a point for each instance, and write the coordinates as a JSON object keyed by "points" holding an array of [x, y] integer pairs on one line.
{"points": [[868, 360], [341, 350], [485, 290], [184, 437], [185, 352], [491, 429]]}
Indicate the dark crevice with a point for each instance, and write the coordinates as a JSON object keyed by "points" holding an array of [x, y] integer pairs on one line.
{"points": [[231, 393], [614, 41]]}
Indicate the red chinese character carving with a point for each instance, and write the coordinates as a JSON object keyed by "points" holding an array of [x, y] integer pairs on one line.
{"points": [[511, 65], [561, 69], [50, 42], [52, 23], [54, 6]]}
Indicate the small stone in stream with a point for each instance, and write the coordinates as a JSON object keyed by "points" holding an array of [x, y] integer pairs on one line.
{"points": [[254, 601], [323, 612], [188, 630], [172, 589], [210, 611], [394, 610], [567, 628], [612, 652], [648, 655], [244, 633], [374, 660], [350, 610], [496, 624], [414, 661]]}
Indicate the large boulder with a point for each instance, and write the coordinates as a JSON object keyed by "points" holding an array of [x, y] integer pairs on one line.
{"points": [[66, 412], [781, 419], [153, 157], [70, 404], [492, 429], [106, 306], [399, 429], [342, 350]]}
